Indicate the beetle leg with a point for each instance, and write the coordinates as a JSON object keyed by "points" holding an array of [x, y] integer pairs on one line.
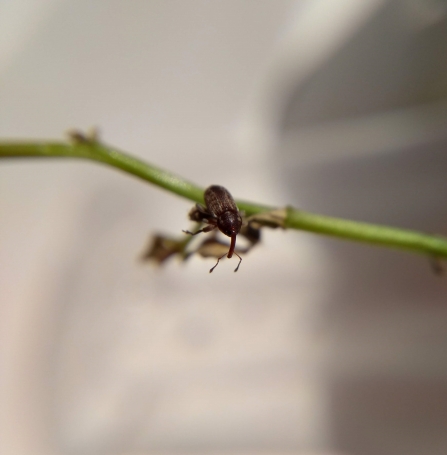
{"points": [[207, 228], [199, 213]]}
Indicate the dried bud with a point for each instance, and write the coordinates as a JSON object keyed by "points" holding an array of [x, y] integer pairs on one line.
{"points": [[272, 219], [161, 248], [79, 137]]}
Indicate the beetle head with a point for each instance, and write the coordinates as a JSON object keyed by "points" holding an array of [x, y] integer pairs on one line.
{"points": [[229, 223]]}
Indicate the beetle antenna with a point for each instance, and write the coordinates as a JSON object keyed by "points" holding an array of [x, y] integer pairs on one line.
{"points": [[212, 268], [240, 260], [218, 259]]}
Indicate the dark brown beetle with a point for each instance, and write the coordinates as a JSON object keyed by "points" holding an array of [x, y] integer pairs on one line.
{"points": [[220, 212]]}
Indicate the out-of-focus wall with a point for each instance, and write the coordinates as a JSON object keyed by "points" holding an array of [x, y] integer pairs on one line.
{"points": [[364, 136], [315, 345]]}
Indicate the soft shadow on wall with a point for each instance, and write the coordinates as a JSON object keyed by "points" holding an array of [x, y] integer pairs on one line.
{"points": [[364, 138]]}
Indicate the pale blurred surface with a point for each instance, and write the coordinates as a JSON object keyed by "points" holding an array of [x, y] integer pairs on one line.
{"points": [[315, 346]]}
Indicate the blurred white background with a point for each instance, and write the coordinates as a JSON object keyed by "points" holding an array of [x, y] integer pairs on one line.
{"points": [[316, 345]]}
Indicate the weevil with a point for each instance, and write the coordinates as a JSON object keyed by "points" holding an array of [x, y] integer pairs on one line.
{"points": [[221, 212]]}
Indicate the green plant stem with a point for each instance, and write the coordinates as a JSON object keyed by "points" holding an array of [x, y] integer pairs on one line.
{"points": [[434, 246]]}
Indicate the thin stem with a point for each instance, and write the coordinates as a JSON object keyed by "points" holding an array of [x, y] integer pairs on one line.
{"points": [[418, 242], [97, 151], [432, 245]]}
